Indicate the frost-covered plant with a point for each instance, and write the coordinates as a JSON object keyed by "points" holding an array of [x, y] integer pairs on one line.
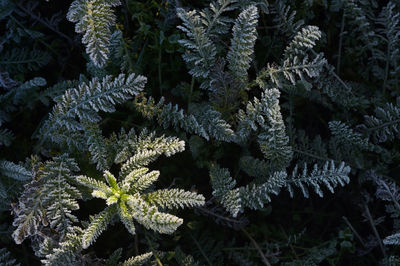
{"points": [[84, 103], [48, 200], [94, 18], [272, 100], [132, 199], [257, 194]]}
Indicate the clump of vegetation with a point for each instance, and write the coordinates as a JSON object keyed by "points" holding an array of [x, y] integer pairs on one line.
{"points": [[275, 122]]}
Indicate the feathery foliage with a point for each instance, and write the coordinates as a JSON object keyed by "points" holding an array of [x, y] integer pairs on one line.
{"points": [[329, 175], [242, 43], [269, 98], [384, 125], [201, 51], [85, 102], [94, 18], [138, 260], [169, 115], [6, 258], [48, 200], [131, 199]]}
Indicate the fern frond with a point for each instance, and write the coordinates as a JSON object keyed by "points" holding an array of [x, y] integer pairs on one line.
{"points": [[296, 61], [60, 197], [94, 18], [232, 202], [169, 115], [24, 94], [255, 196], [211, 120], [6, 258], [289, 69], [264, 115], [111, 180], [285, 18], [384, 126], [145, 181], [130, 143], [15, 171], [162, 145], [251, 119], [93, 184], [223, 189], [151, 218], [126, 217], [29, 213], [303, 40], [86, 101], [174, 198], [56, 91], [273, 141], [48, 200], [360, 25], [242, 43], [346, 136], [392, 239], [138, 260], [212, 18], [98, 146], [132, 177], [329, 175], [389, 35], [140, 159], [224, 91], [387, 190], [221, 181], [20, 60], [200, 50], [98, 225], [67, 251]]}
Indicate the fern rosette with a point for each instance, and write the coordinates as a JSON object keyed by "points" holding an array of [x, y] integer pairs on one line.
{"points": [[133, 199]]}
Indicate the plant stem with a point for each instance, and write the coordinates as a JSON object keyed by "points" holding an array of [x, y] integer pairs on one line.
{"points": [[159, 68], [340, 42], [190, 92], [353, 230], [371, 221], [201, 250], [395, 202], [264, 259], [290, 245], [39, 19], [152, 250]]}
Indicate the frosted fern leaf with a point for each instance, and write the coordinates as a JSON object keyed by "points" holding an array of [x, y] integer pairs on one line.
{"points": [[94, 18]]}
